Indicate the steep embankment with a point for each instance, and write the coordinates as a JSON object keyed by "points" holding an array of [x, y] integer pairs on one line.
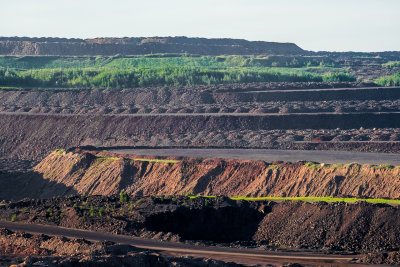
{"points": [[139, 46], [105, 174]]}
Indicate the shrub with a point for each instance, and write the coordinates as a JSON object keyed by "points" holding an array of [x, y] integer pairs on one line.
{"points": [[338, 77], [101, 212], [393, 80], [91, 211], [160, 76], [123, 196], [273, 166], [312, 165], [60, 151], [392, 64]]}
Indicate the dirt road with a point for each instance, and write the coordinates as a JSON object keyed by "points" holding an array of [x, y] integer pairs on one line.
{"points": [[269, 155], [238, 255], [220, 114]]}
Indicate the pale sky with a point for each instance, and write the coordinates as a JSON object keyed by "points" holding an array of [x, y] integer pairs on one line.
{"points": [[331, 25]]}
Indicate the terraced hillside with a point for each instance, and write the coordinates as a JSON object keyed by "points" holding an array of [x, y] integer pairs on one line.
{"points": [[222, 94], [35, 122]]}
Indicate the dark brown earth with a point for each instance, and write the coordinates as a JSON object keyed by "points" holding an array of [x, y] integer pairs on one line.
{"points": [[143, 45], [228, 98], [282, 116], [42, 250], [361, 228], [340, 116], [32, 137]]}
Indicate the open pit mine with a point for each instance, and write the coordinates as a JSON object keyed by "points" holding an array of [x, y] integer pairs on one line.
{"points": [[197, 152]]}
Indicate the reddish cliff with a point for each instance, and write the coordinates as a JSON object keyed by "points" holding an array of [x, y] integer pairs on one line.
{"points": [[106, 174]]}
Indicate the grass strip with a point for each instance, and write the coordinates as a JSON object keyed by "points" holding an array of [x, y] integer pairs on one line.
{"points": [[312, 199], [141, 159], [157, 160], [196, 196], [324, 199]]}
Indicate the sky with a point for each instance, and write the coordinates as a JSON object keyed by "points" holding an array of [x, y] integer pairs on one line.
{"points": [[318, 25]]}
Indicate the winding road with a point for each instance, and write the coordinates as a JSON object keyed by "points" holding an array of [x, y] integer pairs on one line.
{"points": [[238, 255]]}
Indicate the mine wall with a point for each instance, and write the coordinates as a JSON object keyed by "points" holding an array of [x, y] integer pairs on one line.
{"points": [[102, 173]]}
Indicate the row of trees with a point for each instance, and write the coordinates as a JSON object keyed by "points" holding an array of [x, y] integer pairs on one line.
{"points": [[120, 62], [141, 77]]}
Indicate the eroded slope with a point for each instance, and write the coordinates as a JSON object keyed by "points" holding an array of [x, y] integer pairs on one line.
{"points": [[94, 173]]}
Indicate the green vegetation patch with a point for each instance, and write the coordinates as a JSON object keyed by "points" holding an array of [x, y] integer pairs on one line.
{"points": [[158, 76], [392, 65], [163, 70], [156, 60], [273, 166], [323, 199], [123, 196], [107, 158], [334, 166], [59, 151], [383, 167], [310, 199], [392, 80], [196, 196], [156, 160], [340, 166], [313, 165]]}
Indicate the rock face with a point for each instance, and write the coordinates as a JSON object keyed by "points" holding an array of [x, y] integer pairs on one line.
{"points": [[94, 173], [140, 46]]}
